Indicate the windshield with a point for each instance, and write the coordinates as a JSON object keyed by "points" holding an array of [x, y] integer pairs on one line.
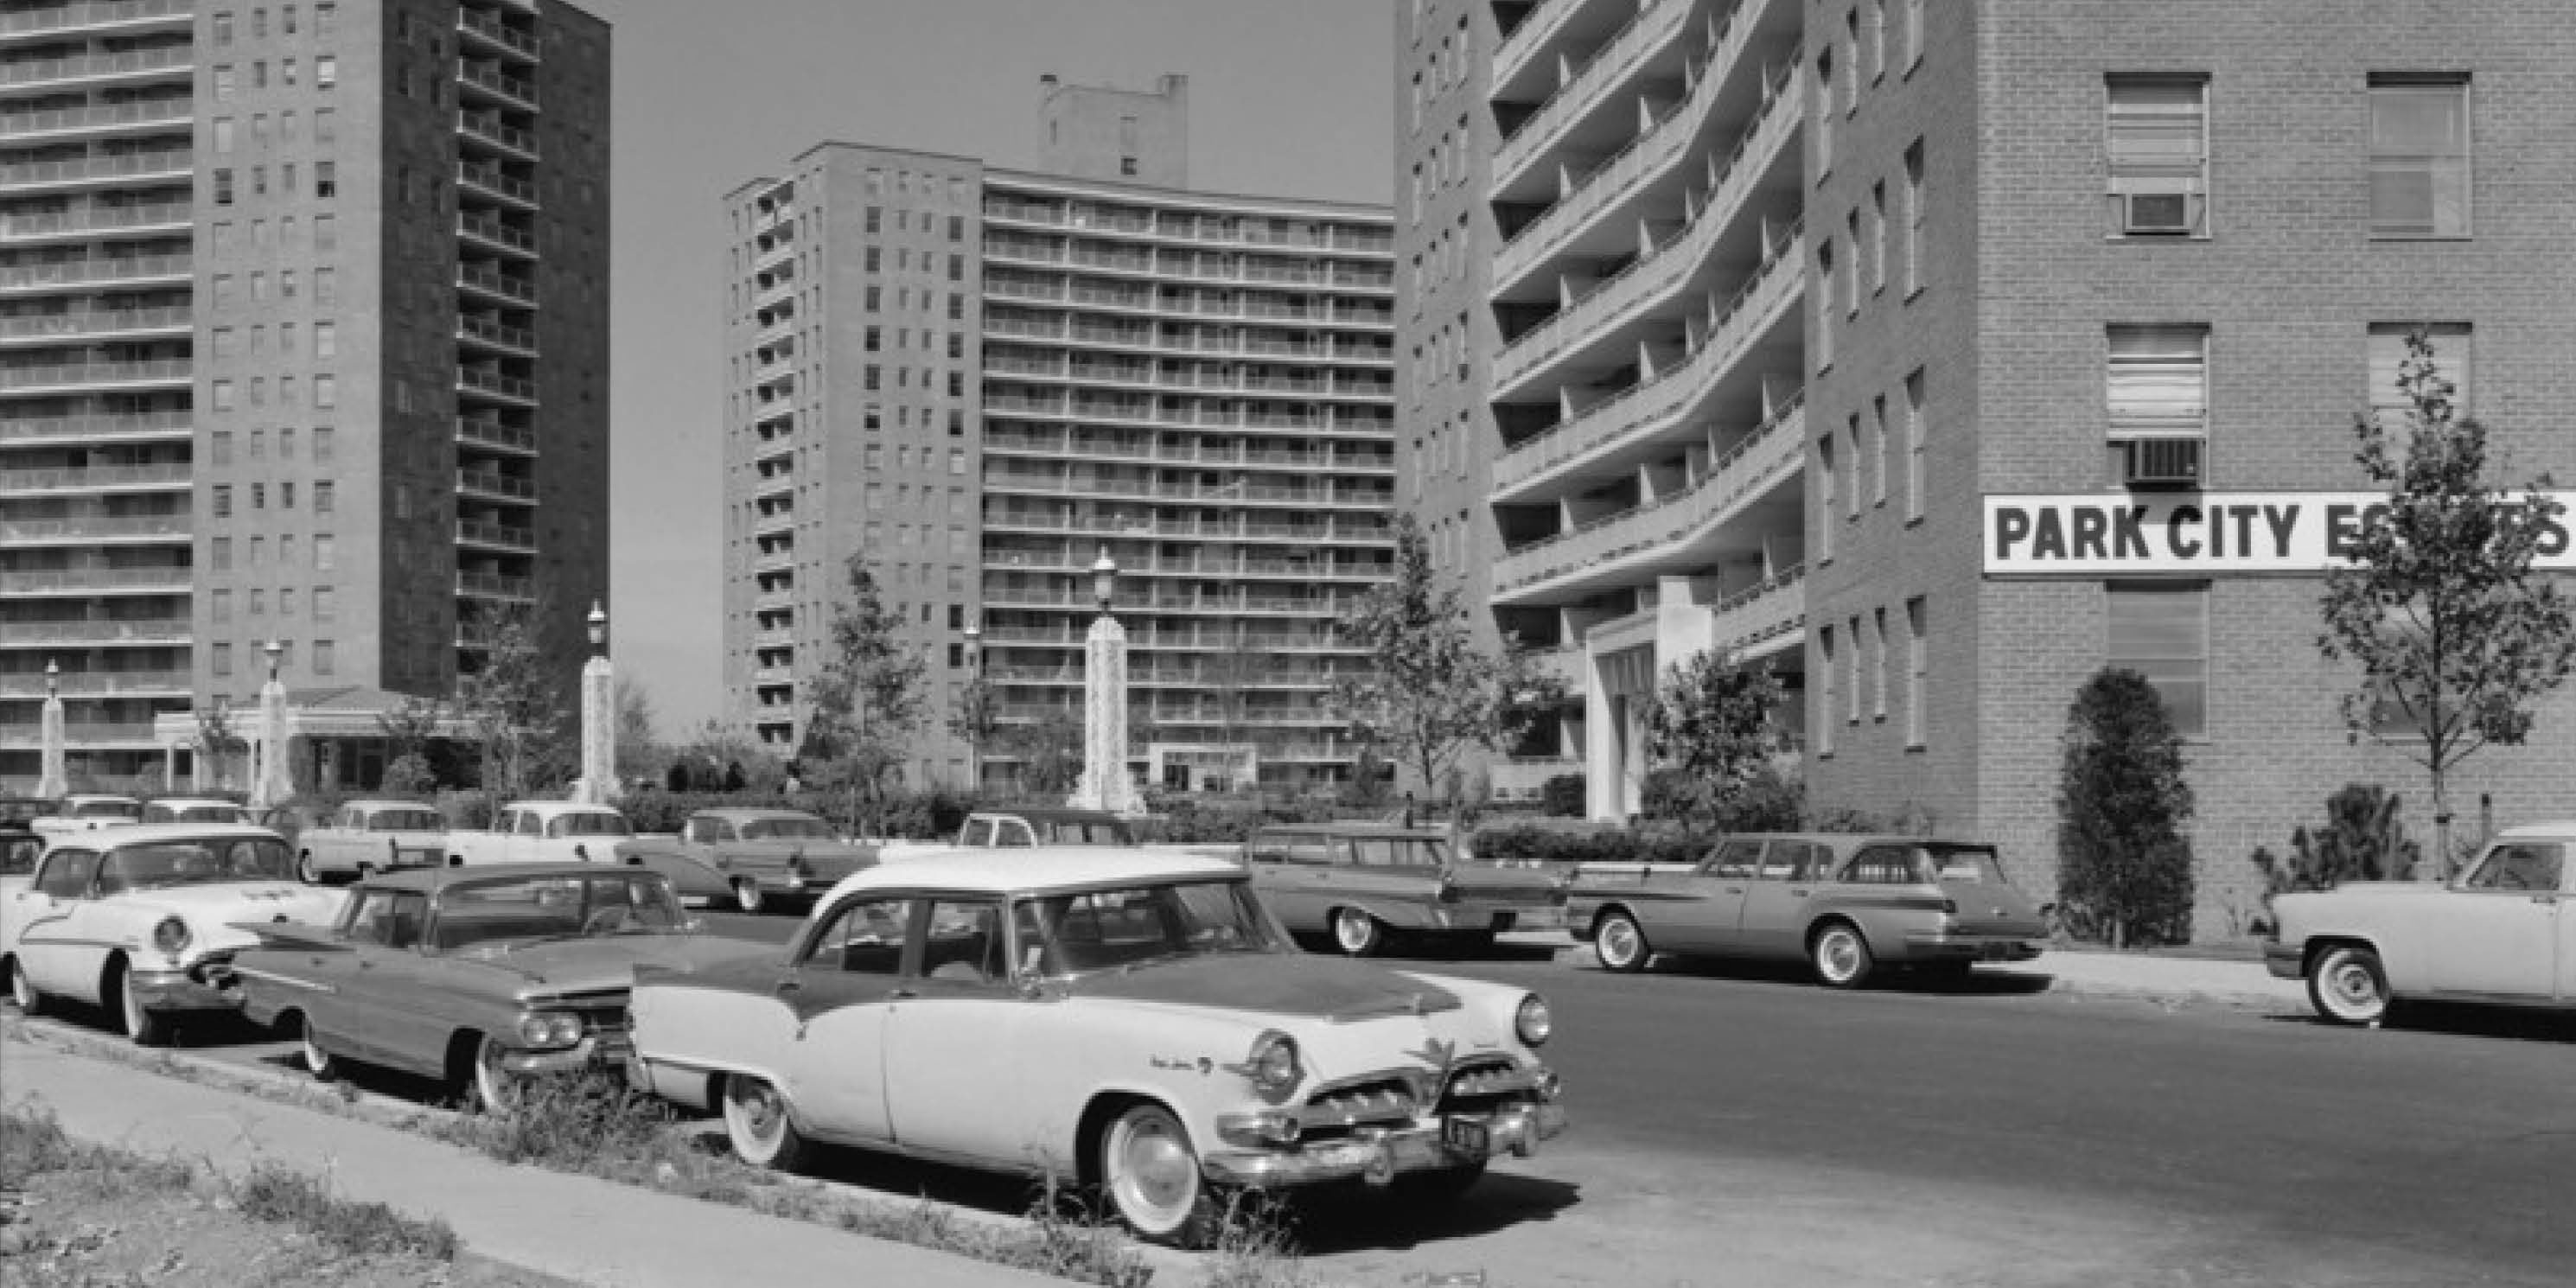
{"points": [[600, 824], [1081, 832], [208, 862], [405, 820], [107, 809], [1399, 852], [1968, 867], [497, 915], [1106, 928], [786, 829]]}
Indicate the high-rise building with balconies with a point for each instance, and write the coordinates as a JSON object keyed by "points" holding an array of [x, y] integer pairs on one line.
{"points": [[1946, 354], [303, 317], [983, 379]]}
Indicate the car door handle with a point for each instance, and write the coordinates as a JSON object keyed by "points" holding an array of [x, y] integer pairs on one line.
{"points": [[790, 985], [1735, 889], [1797, 894]]}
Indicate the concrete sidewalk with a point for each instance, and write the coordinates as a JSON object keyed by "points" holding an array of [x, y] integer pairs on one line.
{"points": [[575, 1228]]}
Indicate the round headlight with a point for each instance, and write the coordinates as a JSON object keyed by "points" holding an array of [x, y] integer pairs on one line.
{"points": [[171, 936], [1533, 1023], [545, 1029], [1272, 1066]]}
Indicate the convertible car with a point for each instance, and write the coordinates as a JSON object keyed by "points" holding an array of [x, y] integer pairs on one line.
{"points": [[1132, 1019], [142, 919], [475, 976]]}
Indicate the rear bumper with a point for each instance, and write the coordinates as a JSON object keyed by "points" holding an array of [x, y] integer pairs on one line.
{"points": [[2286, 961], [1497, 915], [1945, 946], [1378, 1155]]}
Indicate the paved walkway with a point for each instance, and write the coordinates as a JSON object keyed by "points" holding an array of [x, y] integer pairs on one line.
{"points": [[2177, 979], [576, 1228]]}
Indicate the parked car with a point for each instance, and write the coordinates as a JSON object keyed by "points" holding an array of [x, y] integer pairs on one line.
{"points": [[1024, 827], [82, 813], [475, 976], [1846, 904], [543, 832], [749, 856], [365, 836], [2503, 932], [142, 919], [1363, 884], [193, 809], [19, 846], [1133, 1019]]}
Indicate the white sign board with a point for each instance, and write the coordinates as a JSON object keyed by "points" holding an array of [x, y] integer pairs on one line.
{"points": [[2108, 534]]}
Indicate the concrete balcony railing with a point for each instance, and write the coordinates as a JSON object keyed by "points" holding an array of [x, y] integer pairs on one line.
{"points": [[87, 734], [84, 67], [1210, 529], [485, 585], [95, 218], [1179, 637], [1656, 24], [1164, 602], [95, 322], [490, 484], [488, 127], [45, 581], [29, 126], [490, 79], [500, 334], [88, 528], [1668, 267], [492, 181], [1056, 484], [494, 434], [478, 532], [88, 14], [1638, 412], [1537, 28], [93, 478], [1761, 613], [1156, 453], [1072, 562], [89, 429], [1661, 146], [122, 165], [96, 684], [24, 380], [513, 388], [1749, 469], [492, 229], [773, 675], [131, 630], [493, 35], [95, 272]]}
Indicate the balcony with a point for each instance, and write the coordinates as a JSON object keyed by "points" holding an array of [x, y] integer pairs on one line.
{"points": [[101, 17], [1632, 420], [494, 233], [98, 478], [491, 182], [1058, 484], [90, 735], [1762, 618], [496, 536], [1154, 452], [492, 36], [147, 116], [83, 324], [1672, 533], [773, 676], [96, 528], [512, 389], [1761, 154], [64, 73], [115, 270], [1228, 529], [1654, 27], [488, 80], [778, 560], [95, 218], [496, 436], [492, 485], [76, 377], [86, 582], [1654, 153], [773, 522], [485, 585], [497, 335], [1547, 22], [67, 431], [489, 128], [40, 176], [98, 630], [97, 684]]}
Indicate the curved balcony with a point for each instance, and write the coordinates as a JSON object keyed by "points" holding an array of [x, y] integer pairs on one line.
{"points": [[64, 73], [492, 435], [1546, 22], [1640, 414], [492, 384], [1655, 25], [122, 167], [114, 270], [71, 225], [149, 116], [488, 81], [88, 529], [98, 478], [494, 233], [492, 485], [1670, 534], [490, 181], [1655, 276], [486, 585], [490, 334], [1056, 484], [496, 536], [489, 129], [84, 324], [490, 35], [1762, 618], [86, 582], [73, 377], [67, 431], [97, 17], [97, 630], [96, 684], [1715, 86]]}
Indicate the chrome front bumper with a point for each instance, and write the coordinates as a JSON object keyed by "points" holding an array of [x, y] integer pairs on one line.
{"points": [[1497, 916], [184, 990], [1380, 1154], [597, 1049], [1935, 945]]}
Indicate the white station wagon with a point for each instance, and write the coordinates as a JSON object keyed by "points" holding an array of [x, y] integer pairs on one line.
{"points": [[1124, 1018], [141, 919], [367, 836], [2503, 932]]}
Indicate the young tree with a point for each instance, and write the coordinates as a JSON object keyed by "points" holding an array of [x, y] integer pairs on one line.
{"points": [[514, 702], [1711, 720], [640, 753], [2362, 840], [1430, 694], [975, 716], [870, 698], [2456, 636], [1050, 752], [2124, 869], [408, 729], [219, 739]]}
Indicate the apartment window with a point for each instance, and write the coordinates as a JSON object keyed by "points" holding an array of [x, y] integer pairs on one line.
{"points": [[325, 125], [1851, 275], [326, 179], [223, 446], [223, 500], [224, 83], [326, 339], [2162, 633], [223, 187], [1913, 33], [326, 18], [2157, 133], [874, 299], [224, 135], [322, 497], [2157, 386], [2450, 341], [259, 496], [875, 219], [956, 461], [324, 656], [1825, 305], [957, 228], [1878, 679], [1877, 39], [223, 29], [223, 395], [875, 259], [873, 339], [1878, 236], [326, 391], [1823, 117], [325, 604], [1825, 479], [223, 664], [1824, 725], [326, 72], [322, 445], [1914, 219], [2419, 156], [1852, 648], [1878, 453], [223, 605], [873, 377], [1914, 456], [324, 551], [326, 286], [285, 494]]}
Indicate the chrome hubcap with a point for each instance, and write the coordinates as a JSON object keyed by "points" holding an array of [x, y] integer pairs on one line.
{"points": [[2352, 986], [1160, 1176], [1619, 941], [1353, 930], [759, 1108], [1841, 955]]}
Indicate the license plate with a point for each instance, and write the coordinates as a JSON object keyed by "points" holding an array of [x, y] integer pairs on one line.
{"points": [[1995, 952], [1468, 1136]]}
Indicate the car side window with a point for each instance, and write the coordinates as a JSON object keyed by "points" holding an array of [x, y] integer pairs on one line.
{"points": [[864, 938], [718, 830], [979, 832], [18, 856], [1783, 861], [1817, 863], [1736, 859], [67, 873], [2518, 866], [373, 920], [1015, 835], [1883, 865], [528, 824], [962, 942]]}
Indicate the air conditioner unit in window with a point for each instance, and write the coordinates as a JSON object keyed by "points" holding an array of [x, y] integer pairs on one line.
{"points": [[2165, 214], [2164, 462]]}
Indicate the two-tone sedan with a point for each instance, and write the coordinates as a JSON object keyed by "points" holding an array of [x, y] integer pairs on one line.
{"points": [[1131, 1019], [1366, 886], [473, 976], [146, 919], [367, 836], [753, 856], [1845, 904]]}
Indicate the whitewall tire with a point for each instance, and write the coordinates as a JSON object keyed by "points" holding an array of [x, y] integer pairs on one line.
{"points": [[1151, 1175], [1841, 955], [2347, 985], [1620, 943], [758, 1124], [1357, 934]]}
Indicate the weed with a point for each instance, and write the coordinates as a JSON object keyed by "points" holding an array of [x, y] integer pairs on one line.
{"points": [[1256, 1245], [282, 1196], [577, 1122]]}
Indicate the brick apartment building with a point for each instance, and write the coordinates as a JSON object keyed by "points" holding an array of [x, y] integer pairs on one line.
{"points": [[982, 379], [2054, 255]]}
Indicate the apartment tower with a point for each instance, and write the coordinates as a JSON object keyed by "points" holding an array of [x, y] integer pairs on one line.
{"points": [[983, 380], [303, 316], [1814, 319]]}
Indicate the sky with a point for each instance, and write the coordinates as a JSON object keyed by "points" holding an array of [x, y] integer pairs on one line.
{"points": [[1287, 97]]}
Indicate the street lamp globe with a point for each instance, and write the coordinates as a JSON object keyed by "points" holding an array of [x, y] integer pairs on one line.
{"points": [[1104, 578], [598, 621], [275, 650]]}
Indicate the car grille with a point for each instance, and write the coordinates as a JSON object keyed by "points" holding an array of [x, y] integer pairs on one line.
{"points": [[1480, 1085], [1335, 1110]]}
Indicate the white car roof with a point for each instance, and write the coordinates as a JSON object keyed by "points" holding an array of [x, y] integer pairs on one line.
{"points": [[1037, 869], [98, 798], [550, 809], [377, 804], [110, 838], [2559, 829], [197, 802]]}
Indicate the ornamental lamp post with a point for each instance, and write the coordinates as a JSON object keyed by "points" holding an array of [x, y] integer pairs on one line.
{"points": [[1104, 580], [982, 710], [1105, 783], [598, 783]]}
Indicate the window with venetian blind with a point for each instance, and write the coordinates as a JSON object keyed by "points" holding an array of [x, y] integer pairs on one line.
{"points": [[2162, 632], [2450, 342], [2419, 156], [2156, 385], [2157, 138]]}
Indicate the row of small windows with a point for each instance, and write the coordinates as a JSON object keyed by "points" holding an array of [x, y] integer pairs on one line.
{"points": [[326, 129], [1867, 442], [326, 22], [229, 394], [258, 494], [2157, 140], [324, 600], [326, 181], [324, 548], [1853, 661], [1864, 252], [229, 80], [325, 656]]}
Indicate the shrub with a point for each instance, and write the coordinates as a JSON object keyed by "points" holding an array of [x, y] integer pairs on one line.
{"points": [[2124, 868], [1543, 844], [1563, 796], [409, 774], [2362, 840], [276, 1194]]}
